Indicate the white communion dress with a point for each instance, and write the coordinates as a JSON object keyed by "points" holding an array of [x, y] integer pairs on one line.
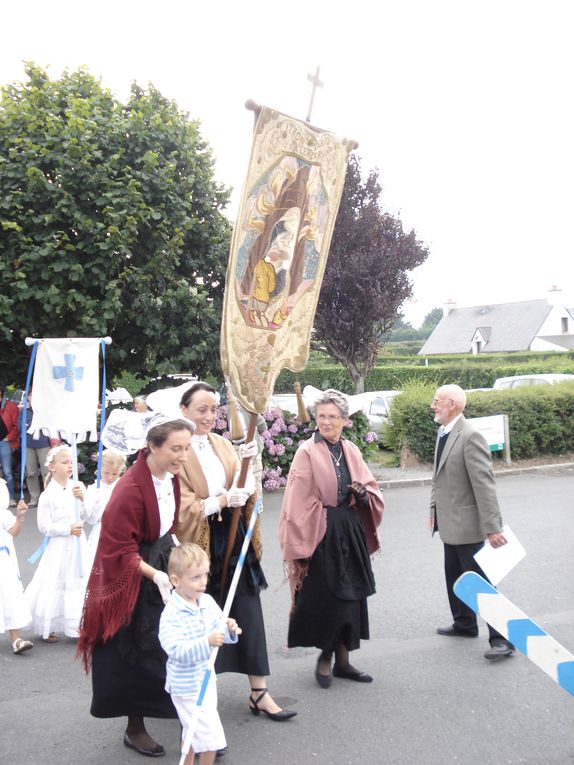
{"points": [[55, 596], [97, 498], [14, 613]]}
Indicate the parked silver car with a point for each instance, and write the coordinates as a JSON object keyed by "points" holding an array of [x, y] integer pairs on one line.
{"points": [[518, 381]]}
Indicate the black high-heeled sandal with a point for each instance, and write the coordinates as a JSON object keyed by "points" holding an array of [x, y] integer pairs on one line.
{"points": [[281, 716]]}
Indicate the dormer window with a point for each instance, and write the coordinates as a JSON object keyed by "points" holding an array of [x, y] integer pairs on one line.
{"points": [[479, 340]]}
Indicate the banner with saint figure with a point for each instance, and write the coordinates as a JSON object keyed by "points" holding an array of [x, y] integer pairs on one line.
{"points": [[279, 252]]}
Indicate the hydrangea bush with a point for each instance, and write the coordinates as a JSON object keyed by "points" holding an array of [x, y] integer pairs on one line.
{"points": [[283, 435]]}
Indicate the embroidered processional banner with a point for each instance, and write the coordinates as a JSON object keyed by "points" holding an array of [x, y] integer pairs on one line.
{"points": [[279, 252]]}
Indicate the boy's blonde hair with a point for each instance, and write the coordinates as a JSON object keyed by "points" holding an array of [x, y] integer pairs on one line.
{"points": [[110, 457], [184, 556]]}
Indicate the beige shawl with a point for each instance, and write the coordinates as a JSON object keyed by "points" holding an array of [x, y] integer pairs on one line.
{"points": [[193, 526]]}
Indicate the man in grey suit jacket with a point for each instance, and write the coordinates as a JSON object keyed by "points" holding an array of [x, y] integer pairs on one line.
{"points": [[464, 508]]}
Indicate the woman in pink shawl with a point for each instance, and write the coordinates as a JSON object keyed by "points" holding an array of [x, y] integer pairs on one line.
{"points": [[328, 531]]}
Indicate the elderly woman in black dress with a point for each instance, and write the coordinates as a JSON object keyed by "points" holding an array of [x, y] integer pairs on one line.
{"points": [[328, 531]]}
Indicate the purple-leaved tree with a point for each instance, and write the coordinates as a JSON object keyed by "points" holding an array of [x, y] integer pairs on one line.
{"points": [[367, 279]]}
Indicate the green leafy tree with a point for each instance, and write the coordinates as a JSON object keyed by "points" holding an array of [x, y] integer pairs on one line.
{"points": [[400, 323], [366, 280], [401, 331], [111, 223], [431, 320]]}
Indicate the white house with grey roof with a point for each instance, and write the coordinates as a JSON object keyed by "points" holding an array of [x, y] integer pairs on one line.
{"points": [[530, 325]]}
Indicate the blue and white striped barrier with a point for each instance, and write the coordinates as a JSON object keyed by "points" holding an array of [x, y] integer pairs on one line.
{"points": [[534, 642]]}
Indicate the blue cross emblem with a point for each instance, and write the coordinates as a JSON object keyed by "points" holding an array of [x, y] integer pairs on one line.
{"points": [[68, 372]]}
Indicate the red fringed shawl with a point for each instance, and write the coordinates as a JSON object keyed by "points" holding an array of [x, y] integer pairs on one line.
{"points": [[130, 518]]}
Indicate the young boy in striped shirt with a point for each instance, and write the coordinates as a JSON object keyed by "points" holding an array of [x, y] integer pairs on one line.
{"points": [[190, 626]]}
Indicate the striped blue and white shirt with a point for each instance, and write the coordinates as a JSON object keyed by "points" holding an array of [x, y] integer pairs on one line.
{"points": [[183, 631]]}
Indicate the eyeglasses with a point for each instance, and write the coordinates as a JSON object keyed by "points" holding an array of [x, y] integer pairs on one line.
{"points": [[328, 418], [437, 401]]}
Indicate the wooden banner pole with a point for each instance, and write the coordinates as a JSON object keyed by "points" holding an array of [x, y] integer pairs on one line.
{"points": [[251, 425]]}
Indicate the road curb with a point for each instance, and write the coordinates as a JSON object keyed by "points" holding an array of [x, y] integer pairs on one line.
{"points": [[426, 480]]}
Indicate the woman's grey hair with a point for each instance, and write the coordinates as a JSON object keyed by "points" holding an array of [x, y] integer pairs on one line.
{"points": [[331, 396]]}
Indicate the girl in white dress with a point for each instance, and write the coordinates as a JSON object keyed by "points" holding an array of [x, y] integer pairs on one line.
{"points": [[113, 465], [55, 596], [14, 613]]}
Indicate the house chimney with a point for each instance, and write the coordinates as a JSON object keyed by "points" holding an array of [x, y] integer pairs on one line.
{"points": [[555, 296], [447, 307]]}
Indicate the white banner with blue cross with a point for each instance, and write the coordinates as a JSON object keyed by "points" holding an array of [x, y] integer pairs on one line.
{"points": [[66, 387]]}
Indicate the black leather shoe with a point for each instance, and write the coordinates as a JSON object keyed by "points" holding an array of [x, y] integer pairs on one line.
{"points": [[354, 674], [323, 680], [499, 650], [157, 751], [452, 631]]}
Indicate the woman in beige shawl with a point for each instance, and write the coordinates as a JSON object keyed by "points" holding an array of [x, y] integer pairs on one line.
{"points": [[208, 495]]}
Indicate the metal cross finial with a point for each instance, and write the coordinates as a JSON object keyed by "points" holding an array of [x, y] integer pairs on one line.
{"points": [[313, 78]]}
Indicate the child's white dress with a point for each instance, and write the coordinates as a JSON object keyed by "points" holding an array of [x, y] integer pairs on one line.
{"points": [[55, 596], [14, 613], [96, 501]]}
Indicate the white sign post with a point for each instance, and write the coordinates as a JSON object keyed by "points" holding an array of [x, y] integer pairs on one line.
{"points": [[496, 432]]}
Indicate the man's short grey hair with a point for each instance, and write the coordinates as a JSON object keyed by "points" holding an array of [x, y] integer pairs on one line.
{"points": [[456, 393], [331, 396]]}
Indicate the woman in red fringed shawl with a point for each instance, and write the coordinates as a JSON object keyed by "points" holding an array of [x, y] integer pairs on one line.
{"points": [[328, 531], [129, 585]]}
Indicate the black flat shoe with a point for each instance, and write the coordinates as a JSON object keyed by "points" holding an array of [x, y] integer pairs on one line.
{"points": [[157, 751], [352, 674], [500, 649], [323, 680], [280, 716], [454, 632]]}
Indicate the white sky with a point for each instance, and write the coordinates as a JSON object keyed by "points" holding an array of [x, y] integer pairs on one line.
{"points": [[465, 108]]}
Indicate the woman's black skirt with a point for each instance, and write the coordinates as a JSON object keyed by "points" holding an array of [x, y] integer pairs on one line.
{"points": [[331, 605], [249, 655], [128, 671]]}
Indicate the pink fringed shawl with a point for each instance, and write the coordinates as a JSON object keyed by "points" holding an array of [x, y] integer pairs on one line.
{"points": [[311, 487]]}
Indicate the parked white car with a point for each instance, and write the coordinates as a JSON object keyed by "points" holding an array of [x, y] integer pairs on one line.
{"points": [[518, 381], [118, 396], [375, 404], [286, 401]]}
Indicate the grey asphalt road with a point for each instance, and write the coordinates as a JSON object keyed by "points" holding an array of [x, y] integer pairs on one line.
{"points": [[435, 700]]}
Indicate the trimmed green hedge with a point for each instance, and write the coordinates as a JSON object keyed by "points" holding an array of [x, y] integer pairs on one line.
{"points": [[518, 357], [541, 419], [464, 372]]}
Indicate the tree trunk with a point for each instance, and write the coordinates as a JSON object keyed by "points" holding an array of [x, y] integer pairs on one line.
{"points": [[357, 377]]}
